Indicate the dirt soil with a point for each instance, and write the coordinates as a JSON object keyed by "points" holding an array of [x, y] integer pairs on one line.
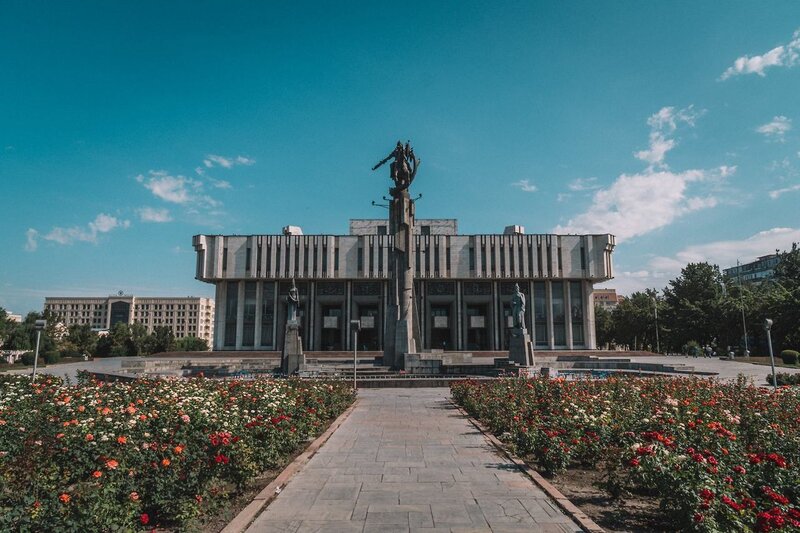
{"points": [[635, 514]]}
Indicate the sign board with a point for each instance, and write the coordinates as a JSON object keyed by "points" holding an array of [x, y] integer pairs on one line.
{"points": [[330, 322], [477, 322], [440, 322], [367, 322]]}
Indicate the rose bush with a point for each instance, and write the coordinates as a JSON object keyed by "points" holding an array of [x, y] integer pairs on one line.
{"points": [[122, 456], [720, 457]]}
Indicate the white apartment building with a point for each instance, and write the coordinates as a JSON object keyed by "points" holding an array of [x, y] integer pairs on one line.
{"points": [[187, 317]]}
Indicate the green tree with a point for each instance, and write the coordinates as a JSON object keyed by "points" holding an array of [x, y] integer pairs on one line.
{"points": [[80, 339], [192, 344], [6, 325], [160, 340], [603, 326], [634, 321], [694, 302]]}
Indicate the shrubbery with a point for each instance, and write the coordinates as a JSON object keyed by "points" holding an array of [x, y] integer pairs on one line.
{"points": [[154, 453], [719, 457], [784, 378], [790, 357]]}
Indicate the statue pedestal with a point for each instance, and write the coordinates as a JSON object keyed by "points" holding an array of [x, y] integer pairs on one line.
{"points": [[520, 348], [292, 358]]}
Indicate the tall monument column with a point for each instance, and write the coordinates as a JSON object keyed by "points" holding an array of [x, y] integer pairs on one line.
{"points": [[401, 335]]}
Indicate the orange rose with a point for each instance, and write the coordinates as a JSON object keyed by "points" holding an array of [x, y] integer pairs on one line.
{"points": [[64, 498], [122, 440], [134, 496], [96, 474], [165, 462], [112, 464], [178, 449], [89, 437], [81, 408]]}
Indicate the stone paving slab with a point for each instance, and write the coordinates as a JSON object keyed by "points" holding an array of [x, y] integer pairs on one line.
{"points": [[406, 460]]}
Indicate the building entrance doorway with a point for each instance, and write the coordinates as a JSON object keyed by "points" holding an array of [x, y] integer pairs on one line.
{"points": [[368, 336], [440, 327], [477, 332], [332, 328]]}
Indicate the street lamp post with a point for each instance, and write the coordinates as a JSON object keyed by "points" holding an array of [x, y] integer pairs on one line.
{"points": [[356, 327], [768, 327], [39, 325], [741, 303]]}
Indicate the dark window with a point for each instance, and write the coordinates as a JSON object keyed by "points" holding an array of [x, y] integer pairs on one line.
{"points": [[248, 258], [371, 258], [277, 259], [225, 259], [267, 312], [483, 259], [447, 259], [360, 259], [249, 324], [471, 257], [502, 258], [435, 257], [120, 312], [380, 257], [583, 258], [540, 313], [560, 268], [231, 311], [305, 259], [425, 230], [336, 259], [324, 259], [494, 261], [258, 262], [381, 230], [296, 259], [559, 318]]}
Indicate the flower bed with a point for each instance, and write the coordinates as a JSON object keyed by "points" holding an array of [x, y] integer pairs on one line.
{"points": [[123, 456], [719, 457]]}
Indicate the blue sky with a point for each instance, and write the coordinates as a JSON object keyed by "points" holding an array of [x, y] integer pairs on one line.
{"points": [[126, 128]]}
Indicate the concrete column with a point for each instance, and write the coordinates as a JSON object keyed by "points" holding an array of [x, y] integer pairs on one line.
{"points": [[589, 336], [532, 311], [460, 334], [240, 316], [548, 291], [259, 301], [348, 312], [275, 292], [497, 317], [568, 313], [219, 315]]}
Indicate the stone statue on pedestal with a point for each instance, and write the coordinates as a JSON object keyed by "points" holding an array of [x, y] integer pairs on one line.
{"points": [[520, 349], [401, 335], [518, 307], [292, 357]]}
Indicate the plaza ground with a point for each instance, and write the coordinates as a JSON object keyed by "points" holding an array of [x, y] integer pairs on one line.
{"points": [[407, 460]]}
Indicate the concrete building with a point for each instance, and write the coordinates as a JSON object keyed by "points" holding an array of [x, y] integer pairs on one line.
{"points": [[464, 286], [756, 271], [606, 298], [190, 316]]}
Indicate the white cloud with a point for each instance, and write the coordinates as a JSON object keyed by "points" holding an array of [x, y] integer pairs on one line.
{"points": [[583, 184], [781, 56], [726, 253], [640, 203], [151, 214], [563, 196], [776, 129], [220, 184], [176, 189], [636, 204], [525, 185], [101, 224], [662, 124], [212, 160], [31, 244], [778, 192]]}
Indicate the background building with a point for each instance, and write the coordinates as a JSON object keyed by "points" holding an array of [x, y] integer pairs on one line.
{"points": [[464, 286], [606, 298], [186, 317], [757, 271]]}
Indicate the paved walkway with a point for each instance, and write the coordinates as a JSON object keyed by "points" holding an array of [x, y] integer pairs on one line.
{"points": [[406, 460]]}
